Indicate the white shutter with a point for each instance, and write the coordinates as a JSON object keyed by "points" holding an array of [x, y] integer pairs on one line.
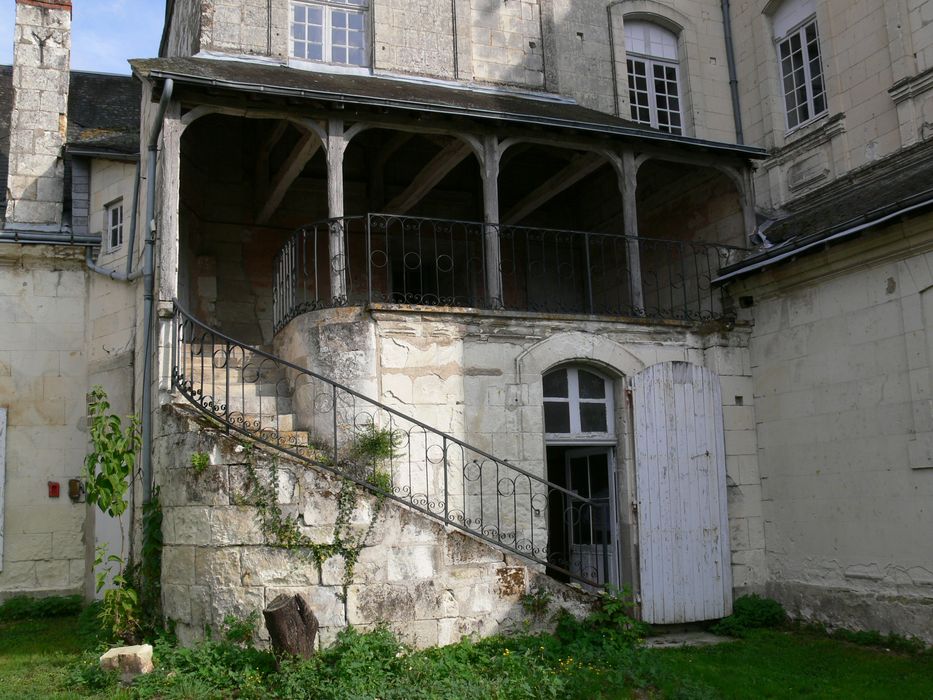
{"points": [[680, 471]]}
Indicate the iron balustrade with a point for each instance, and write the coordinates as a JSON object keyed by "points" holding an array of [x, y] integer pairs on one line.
{"points": [[441, 262], [318, 422]]}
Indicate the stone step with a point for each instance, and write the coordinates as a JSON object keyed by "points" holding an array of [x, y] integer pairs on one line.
{"points": [[283, 423]]}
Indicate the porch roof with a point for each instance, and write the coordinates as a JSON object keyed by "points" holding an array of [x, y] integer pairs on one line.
{"points": [[414, 94]]}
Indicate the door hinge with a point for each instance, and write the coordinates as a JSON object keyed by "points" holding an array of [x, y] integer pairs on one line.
{"points": [[635, 506]]}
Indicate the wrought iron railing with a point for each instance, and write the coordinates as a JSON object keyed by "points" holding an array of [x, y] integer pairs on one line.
{"points": [[439, 262], [318, 421]]}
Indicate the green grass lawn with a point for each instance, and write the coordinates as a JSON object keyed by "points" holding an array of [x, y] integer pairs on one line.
{"points": [[774, 664], [42, 658]]}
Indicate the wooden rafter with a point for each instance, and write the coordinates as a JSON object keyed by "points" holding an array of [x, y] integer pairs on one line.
{"points": [[278, 186], [579, 168], [430, 176]]}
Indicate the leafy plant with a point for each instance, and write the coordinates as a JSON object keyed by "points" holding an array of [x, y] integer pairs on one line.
{"points": [[120, 609], [112, 459], [200, 462], [372, 444], [751, 612], [536, 602], [241, 630]]}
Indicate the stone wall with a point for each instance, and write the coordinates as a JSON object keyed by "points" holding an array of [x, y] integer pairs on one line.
{"points": [[841, 358], [478, 376], [414, 36], [874, 57], [43, 379], [431, 585], [39, 121], [506, 42]]}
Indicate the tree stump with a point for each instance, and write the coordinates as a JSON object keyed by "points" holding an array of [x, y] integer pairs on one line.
{"points": [[292, 626]]}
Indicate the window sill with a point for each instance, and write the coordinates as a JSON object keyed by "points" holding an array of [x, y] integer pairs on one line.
{"points": [[322, 67], [805, 136]]}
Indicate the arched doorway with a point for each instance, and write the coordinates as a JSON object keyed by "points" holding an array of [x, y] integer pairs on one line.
{"points": [[580, 438]]}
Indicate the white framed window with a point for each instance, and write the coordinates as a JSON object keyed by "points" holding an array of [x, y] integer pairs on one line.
{"points": [[577, 404], [653, 76], [113, 224], [801, 73], [330, 31]]}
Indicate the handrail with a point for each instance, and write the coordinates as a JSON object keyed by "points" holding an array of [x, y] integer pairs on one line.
{"points": [[405, 259], [430, 471]]}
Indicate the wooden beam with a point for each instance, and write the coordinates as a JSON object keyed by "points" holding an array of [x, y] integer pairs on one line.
{"points": [[303, 151], [579, 168], [436, 170]]}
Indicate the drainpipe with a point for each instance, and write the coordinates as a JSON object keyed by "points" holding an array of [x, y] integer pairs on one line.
{"points": [[129, 275], [733, 80], [149, 290]]}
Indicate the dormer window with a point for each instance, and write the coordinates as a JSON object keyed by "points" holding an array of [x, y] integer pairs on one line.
{"points": [[330, 31]]}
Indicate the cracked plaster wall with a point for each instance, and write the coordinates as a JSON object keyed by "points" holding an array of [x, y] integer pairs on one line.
{"points": [[471, 375]]}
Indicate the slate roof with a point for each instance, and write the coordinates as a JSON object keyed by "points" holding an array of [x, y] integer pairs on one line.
{"points": [[861, 199], [103, 119], [409, 95]]}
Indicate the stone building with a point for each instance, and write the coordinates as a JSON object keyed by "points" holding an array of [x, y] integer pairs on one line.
{"points": [[636, 291]]}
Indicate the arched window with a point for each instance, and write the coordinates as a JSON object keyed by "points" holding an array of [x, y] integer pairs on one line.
{"points": [[653, 76], [577, 404]]}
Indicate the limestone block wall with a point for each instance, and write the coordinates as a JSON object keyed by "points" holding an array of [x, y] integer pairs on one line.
{"points": [[43, 380], [506, 42], [841, 360], [430, 585], [571, 47], [478, 377], [414, 36], [874, 56], [39, 121]]}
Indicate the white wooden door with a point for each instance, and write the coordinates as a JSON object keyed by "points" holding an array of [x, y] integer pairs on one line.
{"points": [[680, 472]]}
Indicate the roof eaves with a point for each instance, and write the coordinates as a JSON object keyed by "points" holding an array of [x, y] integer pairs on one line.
{"points": [[807, 243], [641, 134]]}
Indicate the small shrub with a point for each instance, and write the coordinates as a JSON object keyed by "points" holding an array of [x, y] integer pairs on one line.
{"points": [[372, 444], [536, 603], [240, 631], [751, 612], [26, 608], [200, 462]]}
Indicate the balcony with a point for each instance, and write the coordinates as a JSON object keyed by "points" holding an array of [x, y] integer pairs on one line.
{"points": [[410, 260]]}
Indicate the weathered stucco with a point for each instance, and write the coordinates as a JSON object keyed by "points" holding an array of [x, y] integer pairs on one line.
{"points": [[478, 377], [841, 361]]}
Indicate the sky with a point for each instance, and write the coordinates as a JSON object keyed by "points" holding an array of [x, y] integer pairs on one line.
{"points": [[104, 33]]}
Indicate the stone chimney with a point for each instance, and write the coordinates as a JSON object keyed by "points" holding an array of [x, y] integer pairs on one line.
{"points": [[39, 121]]}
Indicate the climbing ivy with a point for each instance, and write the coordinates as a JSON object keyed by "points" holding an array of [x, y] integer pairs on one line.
{"points": [[370, 447]]}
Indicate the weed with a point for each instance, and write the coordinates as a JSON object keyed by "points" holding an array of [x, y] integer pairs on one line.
{"points": [[200, 462], [536, 603], [750, 612]]}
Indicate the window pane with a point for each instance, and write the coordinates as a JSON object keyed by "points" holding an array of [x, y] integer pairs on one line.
{"points": [[299, 13], [556, 417], [356, 57], [298, 31], [555, 384], [591, 385], [593, 418], [340, 55], [339, 19]]}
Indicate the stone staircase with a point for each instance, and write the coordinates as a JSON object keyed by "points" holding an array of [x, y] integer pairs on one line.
{"points": [[252, 388]]}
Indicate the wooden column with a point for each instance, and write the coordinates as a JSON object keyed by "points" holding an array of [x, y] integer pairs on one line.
{"points": [[628, 184], [336, 147], [491, 156]]}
